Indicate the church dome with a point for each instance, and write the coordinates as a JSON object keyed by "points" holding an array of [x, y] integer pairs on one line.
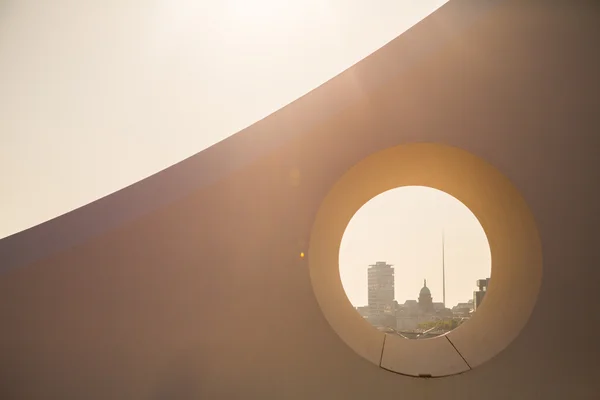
{"points": [[425, 290]]}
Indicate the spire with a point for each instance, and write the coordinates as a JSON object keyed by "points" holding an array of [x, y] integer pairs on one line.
{"points": [[424, 282], [443, 271]]}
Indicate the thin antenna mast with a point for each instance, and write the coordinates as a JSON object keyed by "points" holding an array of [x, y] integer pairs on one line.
{"points": [[443, 270]]}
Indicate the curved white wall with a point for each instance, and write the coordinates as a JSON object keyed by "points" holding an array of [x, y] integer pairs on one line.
{"points": [[189, 284]]}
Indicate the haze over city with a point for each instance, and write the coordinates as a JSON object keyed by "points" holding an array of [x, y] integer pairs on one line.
{"points": [[404, 228]]}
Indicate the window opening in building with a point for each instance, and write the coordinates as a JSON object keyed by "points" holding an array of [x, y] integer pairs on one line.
{"points": [[415, 261]]}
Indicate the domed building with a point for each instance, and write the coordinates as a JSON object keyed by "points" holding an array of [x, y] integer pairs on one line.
{"points": [[425, 299], [414, 312]]}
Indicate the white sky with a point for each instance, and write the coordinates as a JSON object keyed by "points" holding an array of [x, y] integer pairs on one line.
{"points": [[404, 227], [97, 95]]}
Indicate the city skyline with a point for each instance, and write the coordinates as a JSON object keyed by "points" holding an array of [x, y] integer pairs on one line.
{"points": [[404, 227]]}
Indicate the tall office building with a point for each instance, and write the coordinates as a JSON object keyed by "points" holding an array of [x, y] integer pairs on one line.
{"points": [[381, 294]]}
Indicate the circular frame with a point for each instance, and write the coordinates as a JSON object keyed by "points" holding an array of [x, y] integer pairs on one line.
{"points": [[514, 245]]}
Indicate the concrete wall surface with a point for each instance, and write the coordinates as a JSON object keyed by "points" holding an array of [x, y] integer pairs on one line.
{"points": [[189, 284]]}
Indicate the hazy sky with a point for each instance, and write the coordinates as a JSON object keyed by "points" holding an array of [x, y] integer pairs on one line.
{"points": [[404, 227], [97, 95]]}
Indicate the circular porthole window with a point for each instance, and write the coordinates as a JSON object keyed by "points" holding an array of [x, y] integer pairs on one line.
{"points": [[383, 333], [410, 260]]}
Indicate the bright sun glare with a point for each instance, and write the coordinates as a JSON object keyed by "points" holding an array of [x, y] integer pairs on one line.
{"points": [[163, 72], [244, 9]]}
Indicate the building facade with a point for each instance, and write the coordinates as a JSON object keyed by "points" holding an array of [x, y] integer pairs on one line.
{"points": [[381, 294], [478, 295]]}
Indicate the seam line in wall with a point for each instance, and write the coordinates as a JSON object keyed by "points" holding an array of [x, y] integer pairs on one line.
{"points": [[382, 348], [461, 356]]}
